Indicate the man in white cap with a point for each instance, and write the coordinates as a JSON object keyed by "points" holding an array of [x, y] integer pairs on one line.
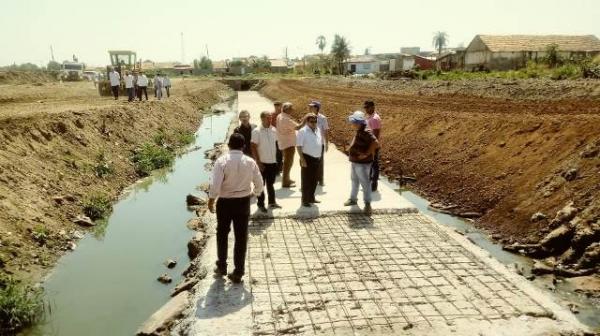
{"points": [[361, 155]]}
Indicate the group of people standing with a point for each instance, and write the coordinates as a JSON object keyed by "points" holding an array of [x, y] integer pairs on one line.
{"points": [[258, 154], [136, 84]]}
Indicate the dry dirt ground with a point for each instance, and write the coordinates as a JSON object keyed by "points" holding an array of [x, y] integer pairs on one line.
{"points": [[51, 135], [511, 154]]}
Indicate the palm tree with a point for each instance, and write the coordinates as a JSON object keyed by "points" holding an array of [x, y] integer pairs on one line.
{"points": [[440, 41], [340, 50], [321, 43]]}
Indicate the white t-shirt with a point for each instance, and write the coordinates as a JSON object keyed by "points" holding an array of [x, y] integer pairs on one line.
{"points": [[114, 78], [128, 81], [310, 141], [166, 81], [142, 80], [265, 140], [322, 123]]}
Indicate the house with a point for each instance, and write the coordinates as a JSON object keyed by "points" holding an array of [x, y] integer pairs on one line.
{"points": [[410, 50], [409, 62], [279, 65], [220, 67], [451, 60], [506, 52], [365, 64]]}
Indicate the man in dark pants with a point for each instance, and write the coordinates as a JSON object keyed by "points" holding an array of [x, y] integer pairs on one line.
{"points": [[309, 145], [233, 176], [279, 156], [245, 128], [115, 81], [374, 124], [264, 148]]}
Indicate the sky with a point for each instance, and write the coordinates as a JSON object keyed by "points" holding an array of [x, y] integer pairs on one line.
{"points": [[236, 28]]}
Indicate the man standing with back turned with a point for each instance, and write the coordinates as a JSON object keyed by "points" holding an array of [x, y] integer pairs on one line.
{"points": [[233, 176], [286, 140]]}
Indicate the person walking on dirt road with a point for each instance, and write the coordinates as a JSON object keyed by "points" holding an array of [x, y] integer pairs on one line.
{"points": [[158, 86], [115, 82], [142, 86], [129, 86], [361, 153], [167, 85], [245, 128], [276, 112], [323, 125], [286, 139], [374, 124], [309, 144], [264, 151], [234, 174]]}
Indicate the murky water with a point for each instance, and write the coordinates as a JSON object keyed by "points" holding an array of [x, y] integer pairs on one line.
{"points": [[589, 313], [108, 285]]}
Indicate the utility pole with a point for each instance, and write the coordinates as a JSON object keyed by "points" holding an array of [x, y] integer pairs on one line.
{"points": [[207, 56], [52, 53], [182, 50], [286, 53]]}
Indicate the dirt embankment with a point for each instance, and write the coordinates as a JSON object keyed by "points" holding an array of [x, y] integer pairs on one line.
{"points": [[48, 155], [514, 163]]}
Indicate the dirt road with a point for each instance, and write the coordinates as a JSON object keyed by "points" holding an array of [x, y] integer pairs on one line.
{"points": [[52, 137], [499, 159]]}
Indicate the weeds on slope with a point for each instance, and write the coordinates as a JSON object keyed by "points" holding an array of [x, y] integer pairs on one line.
{"points": [[161, 151], [20, 305], [97, 206]]}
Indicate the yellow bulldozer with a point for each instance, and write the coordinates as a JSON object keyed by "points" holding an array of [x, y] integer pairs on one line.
{"points": [[120, 60]]}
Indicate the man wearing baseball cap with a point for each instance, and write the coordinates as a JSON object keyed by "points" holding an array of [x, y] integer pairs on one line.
{"points": [[361, 154], [374, 124], [323, 125]]}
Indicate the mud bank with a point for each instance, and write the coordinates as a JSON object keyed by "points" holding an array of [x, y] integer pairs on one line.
{"points": [[49, 158], [510, 164]]}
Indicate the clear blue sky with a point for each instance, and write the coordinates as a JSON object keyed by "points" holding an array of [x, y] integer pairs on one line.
{"points": [[265, 27]]}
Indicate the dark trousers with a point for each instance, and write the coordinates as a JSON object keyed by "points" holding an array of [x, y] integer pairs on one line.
{"points": [[236, 210], [130, 96], [115, 91], [279, 158], [144, 90], [269, 174], [321, 166], [375, 170], [168, 88], [310, 178]]}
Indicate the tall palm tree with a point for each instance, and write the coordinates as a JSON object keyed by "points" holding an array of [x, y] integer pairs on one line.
{"points": [[321, 43], [340, 50], [440, 41]]}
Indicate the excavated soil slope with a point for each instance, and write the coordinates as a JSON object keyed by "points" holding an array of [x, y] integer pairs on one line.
{"points": [[503, 158], [50, 140]]}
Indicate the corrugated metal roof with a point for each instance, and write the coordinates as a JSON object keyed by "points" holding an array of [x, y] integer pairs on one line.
{"points": [[512, 43]]}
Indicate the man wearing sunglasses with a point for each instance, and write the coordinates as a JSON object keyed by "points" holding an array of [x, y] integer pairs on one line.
{"points": [[309, 144]]}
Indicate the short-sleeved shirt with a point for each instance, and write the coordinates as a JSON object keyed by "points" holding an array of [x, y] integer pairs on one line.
{"points": [[128, 81], [265, 140], [322, 124], [114, 78], [310, 141], [142, 80], [286, 131], [374, 121], [274, 118], [246, 131], [360, 145]]}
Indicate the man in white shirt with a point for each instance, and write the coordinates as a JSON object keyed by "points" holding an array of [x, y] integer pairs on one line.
{"points": [[142, 86], [323, 125], [115, 82], [167, 85], [129, 86], [264, 151], [233, 176], [309, 144]]}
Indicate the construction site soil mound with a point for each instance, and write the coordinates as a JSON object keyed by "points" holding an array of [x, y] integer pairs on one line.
{"points": [[27, 77], [522, 160], [55, 155]]}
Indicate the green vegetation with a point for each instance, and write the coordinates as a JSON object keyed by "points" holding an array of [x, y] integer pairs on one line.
{"points": [[440, 41], [103, 167], [150, 157], [20, 305], [40, 234], [340, 51], [203, 64], [321, 43], [97, 206]]}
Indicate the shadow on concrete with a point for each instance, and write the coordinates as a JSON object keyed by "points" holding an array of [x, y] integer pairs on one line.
{"points": [[223, 298]]}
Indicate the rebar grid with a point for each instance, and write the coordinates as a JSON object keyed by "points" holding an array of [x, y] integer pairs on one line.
{"points": [[352, 272]]}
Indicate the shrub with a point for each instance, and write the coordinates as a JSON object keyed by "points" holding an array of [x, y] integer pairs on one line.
{"points": [[150, 157], [40, 234], [97, 206], [567, 71], [20, 306], [184, 138], [102, 168]]}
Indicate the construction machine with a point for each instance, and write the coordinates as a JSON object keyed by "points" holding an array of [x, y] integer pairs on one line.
{"points": [[122, 61]]}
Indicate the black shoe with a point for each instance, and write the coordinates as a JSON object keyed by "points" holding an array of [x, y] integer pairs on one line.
{"points": [[315, 201], [368, 210], [374, 187], [219, 271], [274, 206], [350, 203], [234, 277], [306, 205], [262, 208]]}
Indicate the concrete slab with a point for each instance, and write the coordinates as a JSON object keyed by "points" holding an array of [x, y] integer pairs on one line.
{"points": [[343, 273]]}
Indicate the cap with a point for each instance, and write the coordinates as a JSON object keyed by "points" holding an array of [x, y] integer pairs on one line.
{"points": [[315, 103], [369, 103], [358, 117]]}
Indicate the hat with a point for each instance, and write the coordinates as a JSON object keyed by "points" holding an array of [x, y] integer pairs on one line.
{"points": [[315, 103], [358, 117], [369, 103]]}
